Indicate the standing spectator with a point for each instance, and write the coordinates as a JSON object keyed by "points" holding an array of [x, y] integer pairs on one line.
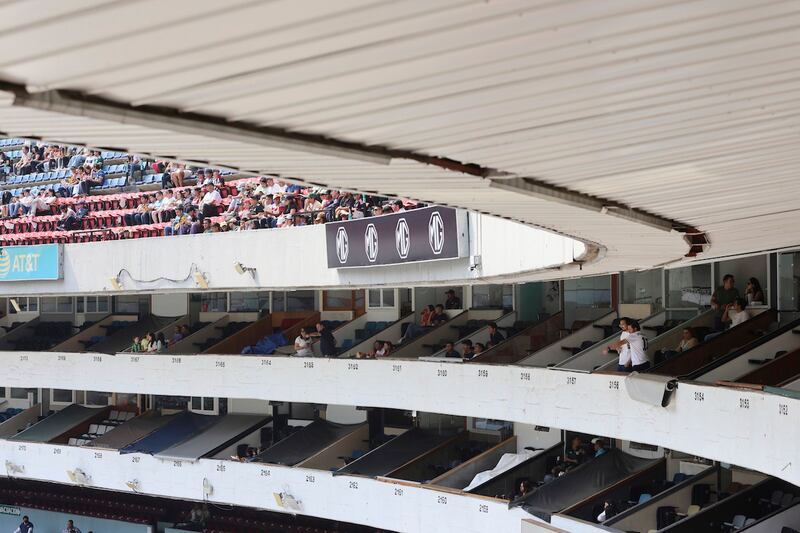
{"points": [[721, 298], [637, 346], [621, 346], [327, 342], [25, 527], [453, 301], [495, 337], [70, 528]]}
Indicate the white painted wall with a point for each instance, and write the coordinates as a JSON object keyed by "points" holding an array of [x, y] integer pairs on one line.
{"points": [[750, 428], [528, 436], [406, 507], [345, 414], [173, 305], [89, 267]]}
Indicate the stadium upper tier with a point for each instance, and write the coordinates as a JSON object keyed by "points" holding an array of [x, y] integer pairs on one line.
{"points": [[500, 107]]}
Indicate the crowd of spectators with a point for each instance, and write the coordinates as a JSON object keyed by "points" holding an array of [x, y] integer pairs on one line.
{"points": [[190, 200]]}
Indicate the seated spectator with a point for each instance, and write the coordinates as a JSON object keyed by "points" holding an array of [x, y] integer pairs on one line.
{"points": [[78, 158], [144, 343], [575, 456], [209, 205], [137, 345], [161, 342], [152, 342], [376, 347], [478, 349], [93, 178], [735, 313], [524, 488], [609, 510], [302, 344], [688, 341], [466, 349], [177, 336], [68, 220], [177, 173], [439, 316], [453, 301], [26, 200], [753, 292], [415, 330], [495, 337], [386, 349], [450, 350], [599, 447]]}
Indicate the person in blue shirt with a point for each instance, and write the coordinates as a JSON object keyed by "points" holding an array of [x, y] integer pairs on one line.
{"points": [[599, 447], [25, 527]]}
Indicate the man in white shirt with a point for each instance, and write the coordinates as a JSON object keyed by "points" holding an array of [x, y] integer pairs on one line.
{"points": [[621, 346], [637, 348], [210, 202], [736, 312]]}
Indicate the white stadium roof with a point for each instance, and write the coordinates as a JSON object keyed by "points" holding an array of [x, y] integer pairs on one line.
{"points": [[608, 121]]}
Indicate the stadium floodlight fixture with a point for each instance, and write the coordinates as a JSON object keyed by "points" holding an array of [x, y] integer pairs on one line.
{"points": [[208, 488], [241, 269], [200, 280], [134, 485], [13, 468], [78, 477], [116, 283]]}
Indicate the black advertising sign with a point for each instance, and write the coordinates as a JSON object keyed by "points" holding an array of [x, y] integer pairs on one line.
{"points": [[425, 234]]}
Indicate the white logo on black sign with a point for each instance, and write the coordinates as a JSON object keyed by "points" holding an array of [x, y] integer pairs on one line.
{"points": [[402, 238], [342, 245], [371, 243], [436, 233]]}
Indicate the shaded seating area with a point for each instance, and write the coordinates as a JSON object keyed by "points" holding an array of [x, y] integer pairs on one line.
{"points": [[222, 433], [740, 510], [179, 429], [442, 458], [88, 338], [477, 331], [575, 487], [38, 335], [639, 487], [62, 425], [525, 341], [752, 356], [691, 360], [396, 453], [132, 431], [106, 426], [511, 469], [578, 337], [434, 337], [309, 441], [121, 338], [13, 421], [684, 496]]}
